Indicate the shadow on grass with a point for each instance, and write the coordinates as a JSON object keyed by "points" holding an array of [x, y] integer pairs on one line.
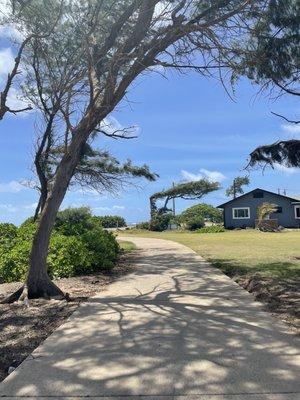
{"points": [[277, 270]]}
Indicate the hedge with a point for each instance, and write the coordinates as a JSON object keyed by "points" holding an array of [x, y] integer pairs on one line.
{"points": [[79, 245]]}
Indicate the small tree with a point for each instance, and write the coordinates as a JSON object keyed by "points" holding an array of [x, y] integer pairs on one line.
{"points": [[237, 186], [205, 211], [263, 213]]}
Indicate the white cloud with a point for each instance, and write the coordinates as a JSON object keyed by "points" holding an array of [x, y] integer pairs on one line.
{"points": [[212, 176], [286, 170], [6, 65], [32, 206], [11, 187], [118, 207], [7, 61], [101, 208], [8, 208], [111, 125], [292, 129], [4, 8], [110, 209]]}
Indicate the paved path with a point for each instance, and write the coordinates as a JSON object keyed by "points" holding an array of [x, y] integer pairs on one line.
{"points": [[175, 329]]}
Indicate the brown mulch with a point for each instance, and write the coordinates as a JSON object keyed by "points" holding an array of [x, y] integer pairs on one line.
{"points": [[23, 328], [281, 298]]}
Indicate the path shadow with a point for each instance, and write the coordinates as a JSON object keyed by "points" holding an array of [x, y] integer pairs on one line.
{"points": [[196, 332]]}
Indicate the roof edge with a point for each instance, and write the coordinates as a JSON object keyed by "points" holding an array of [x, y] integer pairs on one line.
{"points": [[251, 191]]}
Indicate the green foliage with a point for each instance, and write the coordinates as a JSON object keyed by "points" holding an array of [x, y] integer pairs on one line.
{"points": [[273, 51], [205, 211], [102, 247], [73, 221], [237, 186], [68, 256], [160, 222], [14, 261], [212, 229], [8, 232], [79, 245], [111, 221], [143, 225], [194, 223], [188, 190]]}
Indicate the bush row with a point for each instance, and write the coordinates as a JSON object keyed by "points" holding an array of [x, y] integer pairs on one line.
{"points": [[79, 245]]}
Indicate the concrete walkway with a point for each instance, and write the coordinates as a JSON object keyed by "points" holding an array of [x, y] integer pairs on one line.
{"points": [[175, 329]]}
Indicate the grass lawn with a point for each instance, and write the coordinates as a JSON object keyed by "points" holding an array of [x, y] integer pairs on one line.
{"points": [[272, 255], [126, 246]]}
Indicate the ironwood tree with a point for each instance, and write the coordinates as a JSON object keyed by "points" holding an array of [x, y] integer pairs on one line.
{"points": [[84, 67], [237, 186], [188, 191], [273, 61]]}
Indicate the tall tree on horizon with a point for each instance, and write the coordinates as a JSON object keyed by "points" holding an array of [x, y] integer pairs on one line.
{"points": [[237, 186]]}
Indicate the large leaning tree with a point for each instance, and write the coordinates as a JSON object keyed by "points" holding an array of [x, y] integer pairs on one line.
{"points": [[81, 70], [273, 61], [193, 190]]}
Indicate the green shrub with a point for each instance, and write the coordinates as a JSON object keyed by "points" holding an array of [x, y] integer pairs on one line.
{"points": [[160, 222], [212, 229], [205, 211], [14, 262], [102, 247], [110, 221], [8, 232], [89, 249], [143, 225], [73, 221], [194, 223], [68, 256]]}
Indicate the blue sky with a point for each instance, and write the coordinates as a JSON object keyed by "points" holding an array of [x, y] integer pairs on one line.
{"points": [[188, 128]]}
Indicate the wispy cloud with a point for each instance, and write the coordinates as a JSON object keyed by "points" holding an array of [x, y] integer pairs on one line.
{"points": [[118, 207], [8, 208], [11, 187], [292, 129], [286, 170], [109, 209], [111, 125], [6, 61], [13, 209], [212, 176]]}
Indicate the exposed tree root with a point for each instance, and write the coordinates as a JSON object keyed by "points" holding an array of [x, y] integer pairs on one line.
{"points": [[49, 291], [14, 296]]}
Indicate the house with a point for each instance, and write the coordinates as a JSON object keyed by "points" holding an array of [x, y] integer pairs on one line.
{"points": [[241, 212]]}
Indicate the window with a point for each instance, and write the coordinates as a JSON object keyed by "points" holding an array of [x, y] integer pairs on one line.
{"points": [[258, 195], [241, 213], [278, 211], [297, 212]]}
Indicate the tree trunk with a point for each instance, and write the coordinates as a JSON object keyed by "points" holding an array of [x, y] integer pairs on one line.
{"points": [[38, 282]]}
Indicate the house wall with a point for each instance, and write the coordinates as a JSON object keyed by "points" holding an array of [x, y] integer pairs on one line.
{"points": [[286, 218]]}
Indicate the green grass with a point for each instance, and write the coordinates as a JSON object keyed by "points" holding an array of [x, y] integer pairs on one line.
{"points": [[126, 246], [272, 255]]}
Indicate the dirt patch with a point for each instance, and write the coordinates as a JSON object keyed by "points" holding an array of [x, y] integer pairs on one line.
{"points": [[23, 328], [281, 298]]}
